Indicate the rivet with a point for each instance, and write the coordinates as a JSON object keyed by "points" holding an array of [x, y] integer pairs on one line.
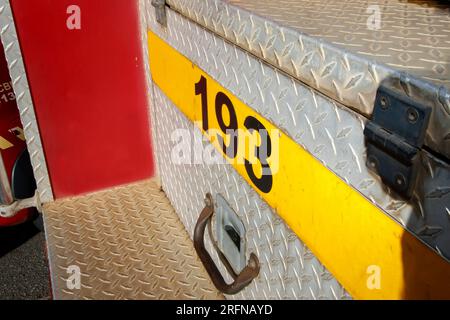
{"points": [[400, 180], [384, 101], [413, 115], [372, 162]]}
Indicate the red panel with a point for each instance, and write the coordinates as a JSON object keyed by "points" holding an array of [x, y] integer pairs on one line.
{"points": [[89, 92]]}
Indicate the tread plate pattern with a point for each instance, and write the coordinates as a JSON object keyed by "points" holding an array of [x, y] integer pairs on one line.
{"points": [[129, 244], [329, 131], [413, 35], [328, 46], [289, 270]]}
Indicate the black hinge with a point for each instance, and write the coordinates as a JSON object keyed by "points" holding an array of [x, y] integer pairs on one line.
{"points": [[394, 138]]}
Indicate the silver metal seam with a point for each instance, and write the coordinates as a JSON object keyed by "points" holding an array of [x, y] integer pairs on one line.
{"points": [[150, 93]]}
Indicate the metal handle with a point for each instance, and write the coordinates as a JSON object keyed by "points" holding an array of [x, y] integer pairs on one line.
{"points": [[241, 280]]}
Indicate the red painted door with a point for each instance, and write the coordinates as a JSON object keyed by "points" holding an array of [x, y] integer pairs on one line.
{"points": [[86, 74]]}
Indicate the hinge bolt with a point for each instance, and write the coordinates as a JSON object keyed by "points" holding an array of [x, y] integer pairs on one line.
{"points": [[400, 180], [372, 162], [384, 102], [413, 115]]}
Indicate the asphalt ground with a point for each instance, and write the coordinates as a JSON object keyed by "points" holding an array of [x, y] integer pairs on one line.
{"points": [[24, 271]]}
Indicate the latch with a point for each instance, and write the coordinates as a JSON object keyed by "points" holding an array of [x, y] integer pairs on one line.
{"points": [[394, 138], [160, 11], [230, 233]]}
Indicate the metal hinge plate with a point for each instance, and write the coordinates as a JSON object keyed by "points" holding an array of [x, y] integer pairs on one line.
{"points": [[160, 11], [394, 138]]}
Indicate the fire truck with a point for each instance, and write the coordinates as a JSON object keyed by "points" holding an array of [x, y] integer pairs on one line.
{"points": [[229, 149], [16, 172]]}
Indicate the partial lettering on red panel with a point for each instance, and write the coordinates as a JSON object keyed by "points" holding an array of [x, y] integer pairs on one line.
{"points": [[85, 68]]}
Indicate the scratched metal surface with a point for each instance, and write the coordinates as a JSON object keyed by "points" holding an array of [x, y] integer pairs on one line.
{"points": [[329, 131], [327, 45], [289, 270], [24, 101], [128, 243]]}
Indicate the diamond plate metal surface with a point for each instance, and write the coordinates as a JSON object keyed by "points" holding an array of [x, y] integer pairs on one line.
{"points": [[24, 101], [329, 131], [329, 46], [148, 76], [128, 243], [288, 268]]}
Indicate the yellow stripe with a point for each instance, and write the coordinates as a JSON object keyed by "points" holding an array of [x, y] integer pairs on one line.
{"points": [[349, 235]]}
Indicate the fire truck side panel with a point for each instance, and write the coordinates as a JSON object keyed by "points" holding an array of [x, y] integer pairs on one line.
{"points": [[89, 92]]}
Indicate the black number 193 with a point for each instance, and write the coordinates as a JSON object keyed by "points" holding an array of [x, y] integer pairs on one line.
{"points": [[263, 151]]}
